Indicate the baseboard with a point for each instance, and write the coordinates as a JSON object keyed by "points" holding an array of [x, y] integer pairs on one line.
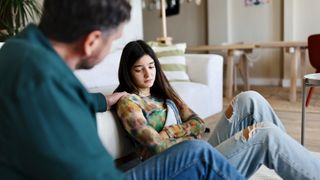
{"points": [[269, 82], [262, 81], [286, 83]]}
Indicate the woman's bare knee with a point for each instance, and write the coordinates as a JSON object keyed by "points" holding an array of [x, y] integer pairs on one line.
{"points": [[229, 111]]}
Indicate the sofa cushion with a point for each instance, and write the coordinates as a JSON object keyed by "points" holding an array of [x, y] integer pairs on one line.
{"points": [[194, 95], [172, 60], [103, 74]]}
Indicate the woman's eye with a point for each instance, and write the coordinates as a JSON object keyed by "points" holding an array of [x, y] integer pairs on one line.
{"points": [[137, 70], [151, 67]]}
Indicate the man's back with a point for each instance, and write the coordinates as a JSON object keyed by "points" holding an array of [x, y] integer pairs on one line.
{"points": [[47, 118]]}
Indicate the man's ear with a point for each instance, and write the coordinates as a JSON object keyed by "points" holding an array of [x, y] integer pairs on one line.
{"points": [[90, 42]]}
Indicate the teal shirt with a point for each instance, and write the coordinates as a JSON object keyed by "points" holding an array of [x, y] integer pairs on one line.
{"points": [[47, 118]]}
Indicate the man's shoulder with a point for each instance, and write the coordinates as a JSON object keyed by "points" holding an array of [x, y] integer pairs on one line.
{"points": [[22, 49], [21, 56], [26, 65]]}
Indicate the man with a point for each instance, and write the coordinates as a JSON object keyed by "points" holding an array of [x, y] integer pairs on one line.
{"points": [[47, 118]]}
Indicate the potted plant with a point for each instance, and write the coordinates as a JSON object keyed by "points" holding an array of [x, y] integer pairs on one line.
{"points": [[15, 15]]}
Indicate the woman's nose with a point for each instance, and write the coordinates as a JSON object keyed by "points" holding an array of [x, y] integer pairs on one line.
{"points": [[147, 73]]}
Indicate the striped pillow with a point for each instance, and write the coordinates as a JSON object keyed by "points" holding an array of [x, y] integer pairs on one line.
{"points": [[172, 60]]}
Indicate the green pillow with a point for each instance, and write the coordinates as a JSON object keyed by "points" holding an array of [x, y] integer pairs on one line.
{"points": [[172, 60]]}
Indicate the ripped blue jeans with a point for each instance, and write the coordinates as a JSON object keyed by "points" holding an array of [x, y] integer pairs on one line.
{"points": [[254, 135]]}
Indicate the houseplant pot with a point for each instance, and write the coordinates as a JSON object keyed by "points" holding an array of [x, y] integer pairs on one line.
{"points": [[15, 15]]}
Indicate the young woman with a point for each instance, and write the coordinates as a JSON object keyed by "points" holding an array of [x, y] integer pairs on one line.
{"points": [[248, 135]]}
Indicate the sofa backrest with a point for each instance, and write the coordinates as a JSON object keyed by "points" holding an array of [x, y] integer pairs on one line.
{"points": [[103, 74]]}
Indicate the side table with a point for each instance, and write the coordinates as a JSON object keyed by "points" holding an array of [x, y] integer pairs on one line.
{"points": [[309, 80]]}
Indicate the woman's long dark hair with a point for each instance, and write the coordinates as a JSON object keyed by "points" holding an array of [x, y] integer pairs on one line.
{"points": [[161, 88]]}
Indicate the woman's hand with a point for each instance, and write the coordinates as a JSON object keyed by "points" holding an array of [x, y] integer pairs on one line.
{"points": [[114, 98]]}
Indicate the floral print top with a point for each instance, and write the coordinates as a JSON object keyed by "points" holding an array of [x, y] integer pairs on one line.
{"points": [[144, 119]]}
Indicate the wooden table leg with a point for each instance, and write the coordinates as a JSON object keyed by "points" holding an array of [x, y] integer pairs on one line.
{"points": [[294, 71], [229, 74], [303, 64], [245, 70]]}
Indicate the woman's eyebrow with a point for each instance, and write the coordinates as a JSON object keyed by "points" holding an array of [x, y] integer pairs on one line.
{"points": [[140, 65]]}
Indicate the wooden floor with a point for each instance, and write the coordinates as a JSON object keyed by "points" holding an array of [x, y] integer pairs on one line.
{"points": [[290, 114], [292, 122]]}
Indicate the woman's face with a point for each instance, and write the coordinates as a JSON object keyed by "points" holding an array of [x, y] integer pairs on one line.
{"points": [[143, 73]]}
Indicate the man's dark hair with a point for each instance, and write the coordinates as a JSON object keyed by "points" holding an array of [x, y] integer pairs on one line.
{"points": [[69, 20]]}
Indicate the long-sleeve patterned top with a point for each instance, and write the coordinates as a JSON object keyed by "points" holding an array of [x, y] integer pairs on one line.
{"points": [[144, 119]]}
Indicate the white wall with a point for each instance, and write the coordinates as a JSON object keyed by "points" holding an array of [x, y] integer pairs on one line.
{"points": [[217, 21], [254, 23], [306, 18], [301, 19], [134, 29], [232, 21]]}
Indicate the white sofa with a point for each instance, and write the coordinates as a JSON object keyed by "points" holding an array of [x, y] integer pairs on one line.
{"points": [[203, 94]]}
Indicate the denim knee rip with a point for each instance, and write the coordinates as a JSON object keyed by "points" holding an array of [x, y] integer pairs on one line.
{"points": [[234, 101], [234, 108], [252, 130]]}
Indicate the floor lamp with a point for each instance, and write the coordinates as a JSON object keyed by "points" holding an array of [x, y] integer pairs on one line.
{"points": [[165, 39]]}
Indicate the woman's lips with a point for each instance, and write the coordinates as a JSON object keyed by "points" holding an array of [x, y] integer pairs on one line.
{"points": [[148, 81]]}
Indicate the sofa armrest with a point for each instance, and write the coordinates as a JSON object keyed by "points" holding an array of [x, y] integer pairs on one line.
{"points": [[203, 68], [112, 135], [207, 69]]}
